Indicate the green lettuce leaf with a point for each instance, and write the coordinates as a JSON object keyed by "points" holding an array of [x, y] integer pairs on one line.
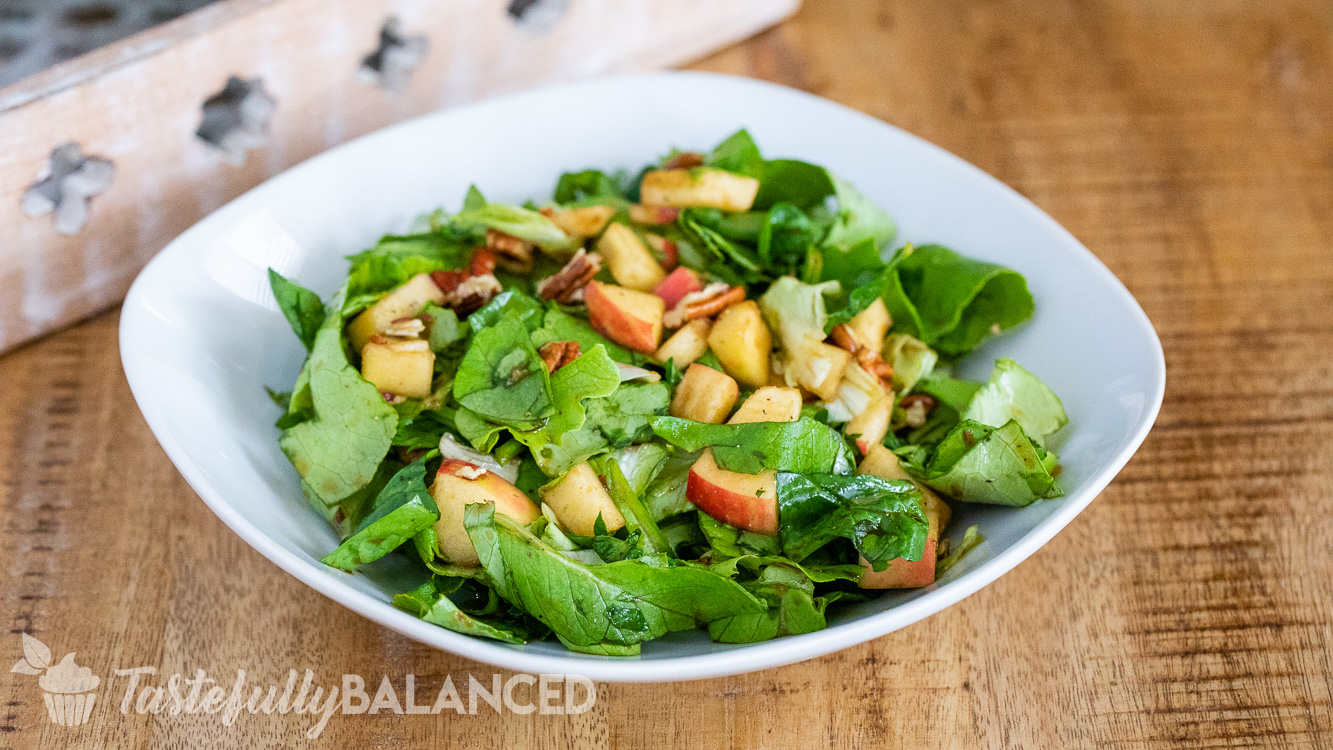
{"points": [[503, 379], [804, 446], [300, 306], [972, 539], [978, 463], [521, 222], [884, 519], [590, 607], [402, 509], [1014, 393], [394, 260], [338, 450]]}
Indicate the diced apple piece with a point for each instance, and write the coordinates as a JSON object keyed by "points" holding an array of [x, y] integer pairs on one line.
{"points": [[747, 501], [882, 462], [668, 248], [582, 222], [579, 498], [742, 342], [870, 326], [769, 404], [704, 395], [654, 215], [676, 285], [687, 344], [632, 266], [872, 424], [458, 484], [627, 317], [713, 188], [400, 366], [405, 301], [818, 368]]}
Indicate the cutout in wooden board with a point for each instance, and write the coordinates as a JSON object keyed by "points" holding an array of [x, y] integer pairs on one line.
{"points": [[392, 63], [67, 185], [236, 119]]}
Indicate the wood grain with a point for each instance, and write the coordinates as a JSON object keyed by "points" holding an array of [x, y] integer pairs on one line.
{"points": [[1189, 144]]}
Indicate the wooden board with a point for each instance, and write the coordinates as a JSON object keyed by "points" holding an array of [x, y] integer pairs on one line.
{"points": [[138, 104], [1190, 145]]}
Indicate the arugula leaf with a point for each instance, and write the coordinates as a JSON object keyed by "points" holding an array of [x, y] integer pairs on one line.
{"points": [[434, 606], [953, 303], [592, 607], [337, 451], [502, 378], [1014, 393], [978, 463], [694, 222], [396, 259], [804, 446], [521, 222], [402, 509], [739, 154], [300, 306], [884, 519]]}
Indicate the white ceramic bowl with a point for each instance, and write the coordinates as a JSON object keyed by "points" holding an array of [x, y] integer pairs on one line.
{"points": [[200, 333]]}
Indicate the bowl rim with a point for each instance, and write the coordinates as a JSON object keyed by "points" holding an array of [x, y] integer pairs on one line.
{"points": [[745, 658]]}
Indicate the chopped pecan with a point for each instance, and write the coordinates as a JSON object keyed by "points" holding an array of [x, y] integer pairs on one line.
{"points": [[448, 281], [512, 253], [843, 338], [566, 285], [406, 327], [704, 303], [875, 365], [684, 160], [472, 293], [557, 354], [482, 262], [917, 408]]}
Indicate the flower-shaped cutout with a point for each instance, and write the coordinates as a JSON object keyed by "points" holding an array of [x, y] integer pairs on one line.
{"points": [[392, 63], [66, 186], [236, 119]]}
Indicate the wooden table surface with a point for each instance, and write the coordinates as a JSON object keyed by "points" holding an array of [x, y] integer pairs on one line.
{"points": [[1189, 144]]}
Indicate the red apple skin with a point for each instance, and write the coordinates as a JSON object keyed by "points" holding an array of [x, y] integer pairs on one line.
{"points": [[676, 285], [902, 574], [639, 329], [746, 501]]}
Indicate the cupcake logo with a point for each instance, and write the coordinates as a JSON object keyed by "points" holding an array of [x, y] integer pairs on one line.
{"points": [[69, 690]]}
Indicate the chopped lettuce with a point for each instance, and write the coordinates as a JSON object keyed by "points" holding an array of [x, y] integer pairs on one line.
{"points": [[1014, 393], [804, 446], [977, 463]]}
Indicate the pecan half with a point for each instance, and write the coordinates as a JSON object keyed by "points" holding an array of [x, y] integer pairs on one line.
{"points": [[472, 293], [704, 303], [557, 354], [917, 408], [512, 253], [406, 327], [566, 285]]}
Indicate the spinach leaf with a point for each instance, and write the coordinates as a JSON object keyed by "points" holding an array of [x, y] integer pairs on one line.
{"points": [[640, 464], [739, 154], [592, 607], [502, 378], [300, 306], [588, 185], [394, 260], [423, 430], [434, 606], [623, 416], [563, 440], [786, 235], [511, 304], [790, 181], [338, 450], [561, 326], [978, 463], [1014, 393], [403, 508], [793, 608], [473, 199], [854, 265], [729, 542], [953, 303], [883, 519], [804, 446]]}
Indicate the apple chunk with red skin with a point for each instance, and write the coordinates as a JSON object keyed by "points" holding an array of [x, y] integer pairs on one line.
{"points": [[459, 484], [676, 285], [747, 501], [629, 318], [904, 574]]}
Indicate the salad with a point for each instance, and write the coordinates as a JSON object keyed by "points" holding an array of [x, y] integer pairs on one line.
{"points": [[710, 394]]}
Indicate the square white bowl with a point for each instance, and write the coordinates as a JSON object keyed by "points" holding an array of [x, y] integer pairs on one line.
{"points": [[201, 335]]}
